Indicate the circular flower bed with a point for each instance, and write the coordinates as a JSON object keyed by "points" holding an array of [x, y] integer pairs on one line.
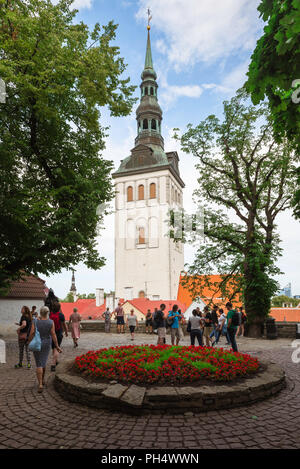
{"points": [[163, 364]]}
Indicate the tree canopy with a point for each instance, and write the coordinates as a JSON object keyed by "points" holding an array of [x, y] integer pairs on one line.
{"points": [[57, 75], [246, 178], [274, 72]]}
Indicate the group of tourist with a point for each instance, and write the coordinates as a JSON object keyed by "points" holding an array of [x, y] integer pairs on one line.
{"points": [[207, 326], [210, 325], [51, 326]]}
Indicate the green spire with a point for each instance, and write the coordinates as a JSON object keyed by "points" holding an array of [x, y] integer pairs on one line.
{"points": [[148, 60]]}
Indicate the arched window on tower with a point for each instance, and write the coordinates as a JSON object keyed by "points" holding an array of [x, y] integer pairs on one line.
{"points": [[141, 238], [129, 194], [153, 124], [151, 91], [145, 124], [146, 91], [141, 192], [152, 190]]}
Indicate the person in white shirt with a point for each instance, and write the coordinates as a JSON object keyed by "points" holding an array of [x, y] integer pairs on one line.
{"points": [[221, 323], [132, 323]]}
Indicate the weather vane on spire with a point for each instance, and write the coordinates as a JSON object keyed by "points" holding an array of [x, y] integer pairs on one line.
{"points": [[149, 18]]}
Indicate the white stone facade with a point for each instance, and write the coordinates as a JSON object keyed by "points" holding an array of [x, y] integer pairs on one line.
{"points": [[150, 268], [10, 312]]}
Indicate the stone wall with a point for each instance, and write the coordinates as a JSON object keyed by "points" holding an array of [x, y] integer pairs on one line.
{"points": [[172, 399], [284, 329]]}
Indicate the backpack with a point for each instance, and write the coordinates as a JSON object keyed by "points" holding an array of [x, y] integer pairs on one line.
{"points": [[154, 321], [169, 322], [56, 320], [235, 321]]}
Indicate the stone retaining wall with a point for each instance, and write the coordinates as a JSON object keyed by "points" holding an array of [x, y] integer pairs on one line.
{"points": [[172, 399], [284, 329]]}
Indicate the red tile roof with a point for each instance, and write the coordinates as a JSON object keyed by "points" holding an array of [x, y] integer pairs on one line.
{"points": [[286, 314], [143, 304], [28, 287], [185, 296], [86, 308]]}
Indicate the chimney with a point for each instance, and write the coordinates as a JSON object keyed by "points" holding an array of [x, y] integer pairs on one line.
{"points": [[99, 296], [110, 301], [116, 302]]}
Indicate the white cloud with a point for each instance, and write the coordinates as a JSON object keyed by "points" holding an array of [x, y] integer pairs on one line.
{"points": [[82, 4], [78, 4], [236, 78], [199, 30], [171, 93]]}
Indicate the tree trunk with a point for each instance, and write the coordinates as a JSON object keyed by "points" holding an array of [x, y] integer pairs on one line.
{"points": [[255, 329]]}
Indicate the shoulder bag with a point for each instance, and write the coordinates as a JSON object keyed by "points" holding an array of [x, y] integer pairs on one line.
{"points": [[36, 343]]}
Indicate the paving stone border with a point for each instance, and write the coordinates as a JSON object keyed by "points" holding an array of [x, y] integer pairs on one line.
{"points": [[171, 399]]}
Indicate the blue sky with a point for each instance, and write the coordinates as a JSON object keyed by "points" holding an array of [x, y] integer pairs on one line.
{"points": [[201, 50]]}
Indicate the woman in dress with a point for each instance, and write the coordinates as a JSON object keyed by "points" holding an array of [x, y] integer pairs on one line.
{"points": [[74, 324], [23, 333], [45, 326]]}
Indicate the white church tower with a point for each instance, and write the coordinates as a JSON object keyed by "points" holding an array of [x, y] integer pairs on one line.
{"points": [[148, 184]]}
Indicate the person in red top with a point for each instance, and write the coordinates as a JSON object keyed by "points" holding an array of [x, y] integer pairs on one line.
{"points": [[60, 328], [119, 314]]}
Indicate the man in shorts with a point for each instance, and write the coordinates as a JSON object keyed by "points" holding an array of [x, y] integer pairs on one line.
{"points": [[119, 314], [160, 324], [176, 331]]}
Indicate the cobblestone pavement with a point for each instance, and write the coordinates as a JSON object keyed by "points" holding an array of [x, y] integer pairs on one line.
{"points": [[32, 420]]}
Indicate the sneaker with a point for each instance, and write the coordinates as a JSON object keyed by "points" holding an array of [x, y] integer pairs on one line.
{"points": [[19, 365], [53, 367]]}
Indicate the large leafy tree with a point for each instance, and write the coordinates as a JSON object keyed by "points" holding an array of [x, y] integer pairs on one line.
{"points": [[245, 180], [274, 71], [57, 75]]}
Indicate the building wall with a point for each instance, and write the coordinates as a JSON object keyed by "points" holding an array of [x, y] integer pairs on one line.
{"points": [[10, 312], [153, 267]]}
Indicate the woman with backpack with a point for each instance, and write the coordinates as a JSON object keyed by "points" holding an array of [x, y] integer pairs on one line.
{"points": [[46, 329], [23, 333], [60, 327]]}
